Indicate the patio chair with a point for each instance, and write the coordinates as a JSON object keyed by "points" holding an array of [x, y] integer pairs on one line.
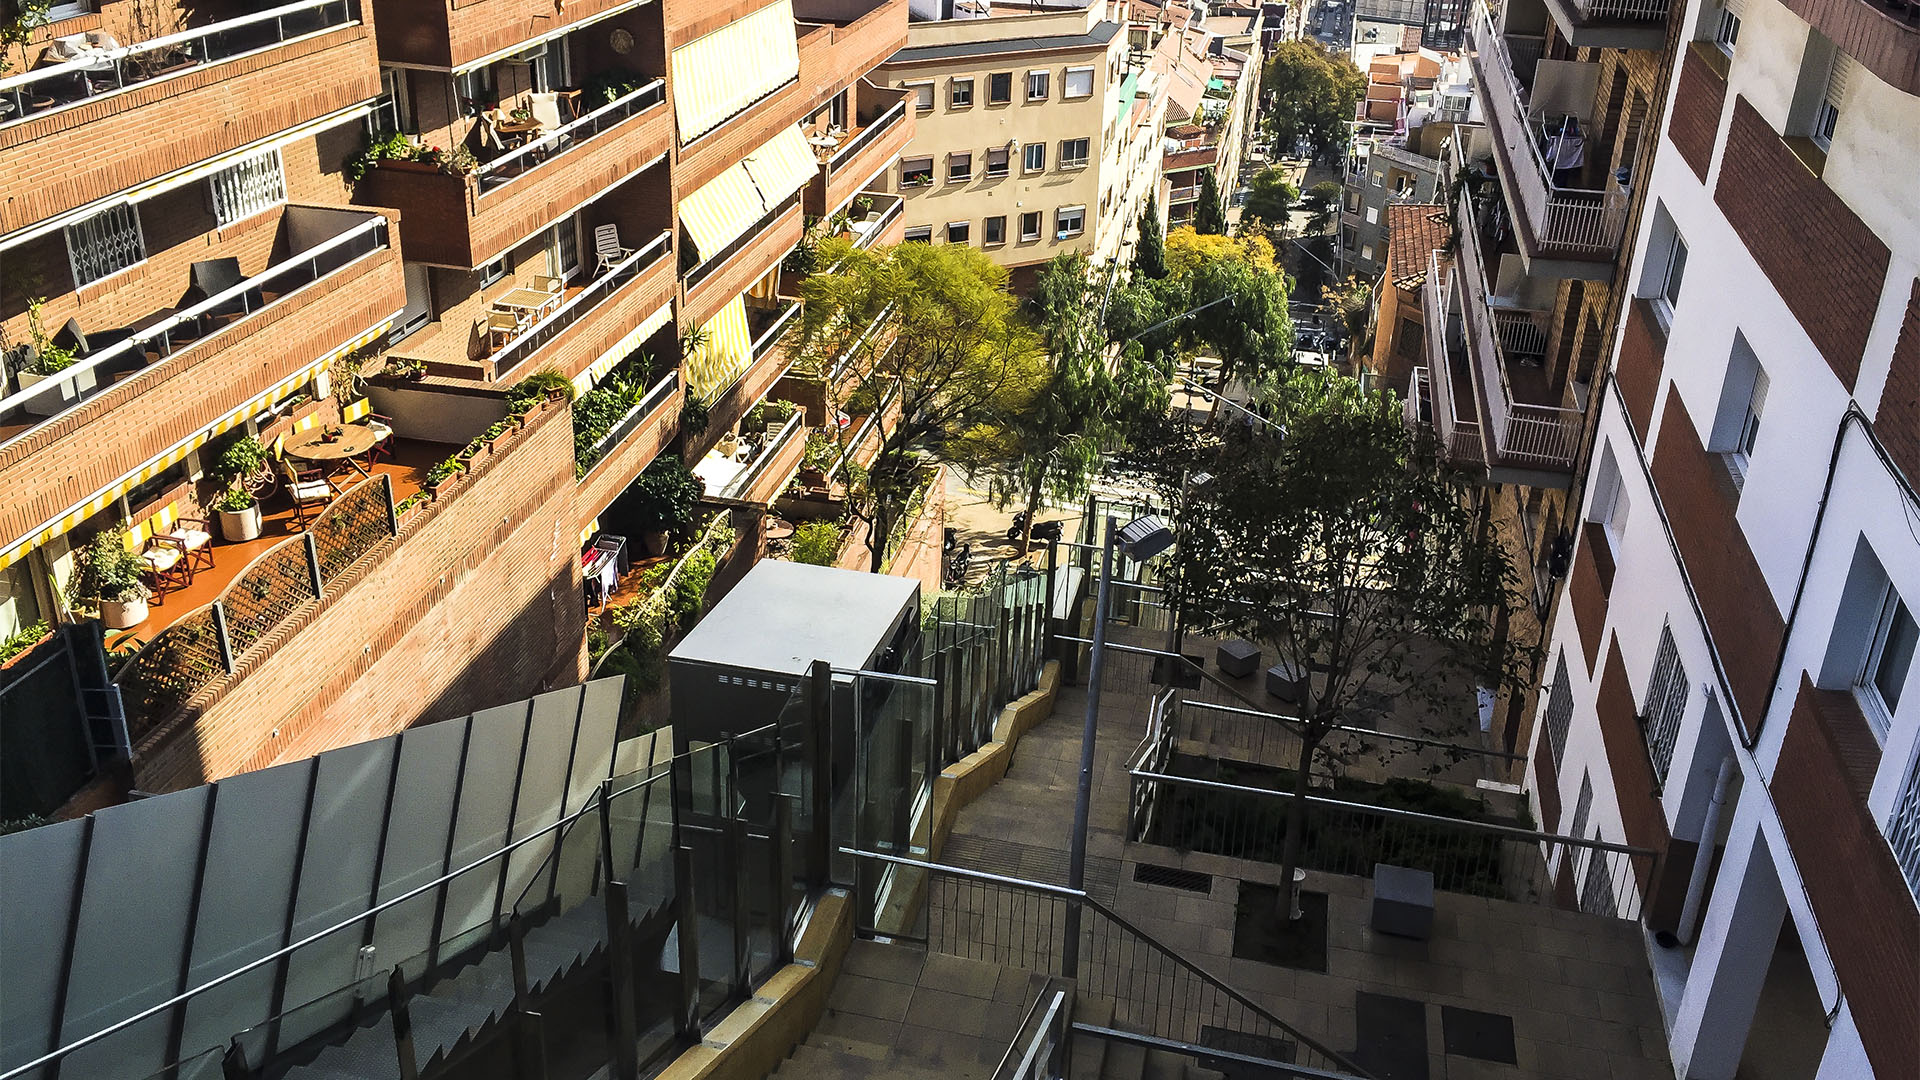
{"points": [[311, 492], [72, 337], [606, 245], [383, 437], [168, 567], [211, 277], [502, 327], [195, 538]]}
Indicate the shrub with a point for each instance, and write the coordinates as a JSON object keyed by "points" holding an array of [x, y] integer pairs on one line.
{"points": [[667, 494], [817, 543], [536, 388], [21, 640], [108, 572]]}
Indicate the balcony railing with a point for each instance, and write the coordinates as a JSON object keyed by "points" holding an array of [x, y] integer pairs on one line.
{"points": [[705, 268], [865, 137], [102, 72], [1583, 221], [1622, 10], [1183, 194], [1531, 434], [896, 206], [95, 374], [744, 480], [1459, 437], [522, 348], [518, 162], [636, 418]]}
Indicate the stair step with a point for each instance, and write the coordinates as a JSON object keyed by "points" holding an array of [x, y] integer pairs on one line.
{"points": [[369, 1052], [1090, 1051], [1165, 1065], [439, 1024], [1125, 1061]]}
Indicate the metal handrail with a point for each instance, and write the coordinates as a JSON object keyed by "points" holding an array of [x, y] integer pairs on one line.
{"points": [[1419, 740], [160, 334], [771, 335], [627, 106], [758, 466], [524, 344], [862, 240], [18, 84], [655, 398], [1035, 1034], [867, 134], [1186, 1049]]}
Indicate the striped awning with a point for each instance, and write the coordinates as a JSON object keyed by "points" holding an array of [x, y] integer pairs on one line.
{"points": [[621, 349], [721, 210], [160, 463], [726, 352], [720, 74]]}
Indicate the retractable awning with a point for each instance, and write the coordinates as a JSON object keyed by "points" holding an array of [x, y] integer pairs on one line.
{"points": [[726, 352], [721, 210], [632, 340], [720, 74]]}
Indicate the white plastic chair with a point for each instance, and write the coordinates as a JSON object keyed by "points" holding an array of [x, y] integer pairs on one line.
{"points": [[606, 245]]}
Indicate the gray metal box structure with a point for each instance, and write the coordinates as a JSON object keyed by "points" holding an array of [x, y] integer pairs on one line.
{"points": [[738, 668]]}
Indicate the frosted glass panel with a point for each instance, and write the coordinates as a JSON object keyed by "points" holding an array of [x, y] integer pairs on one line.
{"points": [[246, 896], [486, 805], [141, 868], [543, 784], [343, 846], [416, 853], [36, 897]]}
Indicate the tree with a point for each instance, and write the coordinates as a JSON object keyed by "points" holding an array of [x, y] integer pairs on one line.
{"points": [[955, 354], [1270, 199], [1322, 204], [1084, 407], [1340, 541], [1251, 334], [1313, 92], [1209, 216], [1150, 256], [1188, 250]]}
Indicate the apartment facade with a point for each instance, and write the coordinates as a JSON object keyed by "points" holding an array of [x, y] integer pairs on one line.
{"points": [[1213, 103], [1036, 134], [1396, 151], [1732, 678], [393, 211]]}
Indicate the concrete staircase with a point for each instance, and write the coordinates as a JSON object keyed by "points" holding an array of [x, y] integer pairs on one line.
{"points": [[1095, 1058]]}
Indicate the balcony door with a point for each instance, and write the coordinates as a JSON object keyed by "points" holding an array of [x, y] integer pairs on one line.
{"points": [[419, 309], [563, 249]]}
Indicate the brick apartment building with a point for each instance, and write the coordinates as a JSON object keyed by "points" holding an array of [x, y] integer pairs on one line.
{"points": [[1731, 664], [1395, 155], [191, 212], [1214, 68]]}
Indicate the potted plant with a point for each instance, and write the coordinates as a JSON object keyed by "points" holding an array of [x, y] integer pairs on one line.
{"points": [[665, 498], [243, 459], [43, 360], [113, 579], [817, 459], [694, 416]]}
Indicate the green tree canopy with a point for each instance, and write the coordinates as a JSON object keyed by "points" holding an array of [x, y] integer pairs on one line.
{"points": [[1270, 198], [1209, 215], [1322, 204], [954, 354], [1314, 93], [1150, 255]]}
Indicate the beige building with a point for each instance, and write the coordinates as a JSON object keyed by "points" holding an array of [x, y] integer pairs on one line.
{"points": [[1037, 133]]}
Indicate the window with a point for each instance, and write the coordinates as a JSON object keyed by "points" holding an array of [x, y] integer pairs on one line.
{"points": [[916, 172], [1597, 895], [243, 190], [1583, 805], [958, 232], [104, 244], [959, 167], [1070, 221], [1665, 267], [1889, 657], [997, 161], [1559, 709], [837, 112], [919, 234], [1870, 651], [1736, 425], [1073, 153], [1373, 215], [960, 93], [494, 271], [922, 95], [563, 250], [1726, 33], [1030, 226], [1000, 88], [476, 90], [1034, 157], [1610, 504], [390, 113], [1079, 83], [1666, 703], [996, 231], [1366, 252], [1833, 96], [1037, 85], [548, 61], [1903, 829]]}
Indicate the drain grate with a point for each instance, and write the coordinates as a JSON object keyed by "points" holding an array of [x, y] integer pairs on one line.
{"points": [[1173, 877]]}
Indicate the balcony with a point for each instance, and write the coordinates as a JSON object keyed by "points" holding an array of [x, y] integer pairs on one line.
{"points": [[466, 221], [757, 465], [1612, 24], [627, 448], [77, 129], [1576, 230], [882, 125], [458, 34], [842, 41], [314, 280], [768, 360], [713, 282]]}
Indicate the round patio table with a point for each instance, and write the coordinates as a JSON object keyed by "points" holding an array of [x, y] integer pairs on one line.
{"points": [[354, 441]]}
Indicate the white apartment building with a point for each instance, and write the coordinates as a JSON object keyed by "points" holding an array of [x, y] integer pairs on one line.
{"points": [[1731, 672], [1037, 133]]}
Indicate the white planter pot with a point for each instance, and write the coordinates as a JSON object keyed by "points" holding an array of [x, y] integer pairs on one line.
{"points": [[120, 615], [54, 402], [656, 541], [241, 524]]}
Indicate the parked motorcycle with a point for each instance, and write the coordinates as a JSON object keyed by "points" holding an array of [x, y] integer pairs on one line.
{"points": [[1048, 531]]}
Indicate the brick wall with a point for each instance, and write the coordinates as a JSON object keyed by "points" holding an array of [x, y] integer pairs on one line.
{"points": [[476, 603], [448, 33], [1695, 122], [1638, 365], [1745, 625], [1866, 916], [1897, 421], [1828, 266], [62, 160], [1885, 46], [611, 474], [1588, 592], [1633, 783], [748, 264]]}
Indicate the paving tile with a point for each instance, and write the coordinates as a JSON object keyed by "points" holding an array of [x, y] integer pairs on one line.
{"points": [[854, 1026], [877, 998], [945, 1011], [1013, 985], [972, 978], [893, 963]]}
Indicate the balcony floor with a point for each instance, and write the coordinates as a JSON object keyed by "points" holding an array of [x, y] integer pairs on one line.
{"points": [[462, 342], [408, 468]]}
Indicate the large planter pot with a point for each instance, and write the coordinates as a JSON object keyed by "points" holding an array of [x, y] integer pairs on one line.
{"points": [[121, 614], [241, 524], [54, 402], [655, 541]]}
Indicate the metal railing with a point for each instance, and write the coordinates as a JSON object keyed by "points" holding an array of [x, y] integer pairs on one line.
{"points": [[895, 207], [637, 417], [1498, 862], [1461, 438], [510, 166], [743, 481], [879, 125], [775, 330], [1155, 991], [709, 263], [94, 373], [1623, 10], [61, 85], [520, 350], [1041, 1042], [1583, 221]]}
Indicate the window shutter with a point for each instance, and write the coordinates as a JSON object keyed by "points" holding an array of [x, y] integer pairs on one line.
{"points": [[1738, 7], [1840, 78]]}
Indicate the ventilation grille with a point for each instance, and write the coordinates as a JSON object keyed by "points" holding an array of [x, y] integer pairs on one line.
{"points": [[1173, 877]]}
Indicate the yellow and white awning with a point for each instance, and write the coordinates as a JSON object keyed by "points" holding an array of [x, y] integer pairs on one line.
{"points": [[726, 352], [621, 349], [104, 498], [721, 210], [716, 76]]}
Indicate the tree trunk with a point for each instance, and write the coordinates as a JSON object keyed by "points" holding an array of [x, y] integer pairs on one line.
{"points": [[1296, 826], [1033, 510]]}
